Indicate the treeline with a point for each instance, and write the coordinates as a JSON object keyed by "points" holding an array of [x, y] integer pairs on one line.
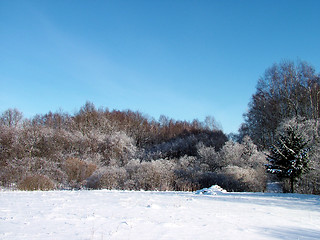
{"points": [[98, 148], [288, 97]]}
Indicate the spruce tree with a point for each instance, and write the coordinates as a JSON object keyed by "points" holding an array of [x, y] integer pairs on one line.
{"points": [[289, 157]]}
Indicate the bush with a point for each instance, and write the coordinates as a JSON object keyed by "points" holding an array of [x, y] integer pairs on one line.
{"points": [[113, 178], [36, 182], [154, 175], [308, 184], [208, 156], [186, 174], [78, 171], [242, 167], [17, 169], [186, 180], [244, 179]]}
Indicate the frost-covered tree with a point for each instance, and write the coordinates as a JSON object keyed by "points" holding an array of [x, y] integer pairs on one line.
{"points": [[11, 117], [289, 157], [286, 90], [242, 166]]}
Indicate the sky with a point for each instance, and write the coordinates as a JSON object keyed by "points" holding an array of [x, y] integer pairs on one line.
{"points": [[184, 59]]}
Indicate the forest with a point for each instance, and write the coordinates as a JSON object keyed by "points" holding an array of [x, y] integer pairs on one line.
{"points": [[103, 149]]}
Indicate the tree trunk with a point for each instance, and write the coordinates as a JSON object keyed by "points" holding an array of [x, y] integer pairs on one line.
{"points": [[291, 182]]}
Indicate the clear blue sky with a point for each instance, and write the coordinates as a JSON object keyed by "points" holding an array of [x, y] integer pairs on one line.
{"points": [[183, 59]]}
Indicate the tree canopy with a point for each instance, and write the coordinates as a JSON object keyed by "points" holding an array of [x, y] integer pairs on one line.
{"points": [[286, 90]]}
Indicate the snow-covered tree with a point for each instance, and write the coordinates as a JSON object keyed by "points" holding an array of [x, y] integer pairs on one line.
{"points": [[289, 157]]}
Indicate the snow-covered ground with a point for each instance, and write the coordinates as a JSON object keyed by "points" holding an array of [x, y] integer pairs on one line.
{"points": [[72, 215]]}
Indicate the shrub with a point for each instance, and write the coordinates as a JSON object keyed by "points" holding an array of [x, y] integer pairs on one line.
{"points": [[113, 178], [308, 184], [36, 182], [186, 180], [242, 167], [208, 156], [17, 169], [78, 170], [154, 175], [243, 179]]}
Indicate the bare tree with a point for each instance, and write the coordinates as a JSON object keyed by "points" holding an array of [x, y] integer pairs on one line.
{"points": [[11, 117], [286, 90]]}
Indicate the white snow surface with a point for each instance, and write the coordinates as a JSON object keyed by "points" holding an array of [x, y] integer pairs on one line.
{"points": [[103, 214], [213, 190]]}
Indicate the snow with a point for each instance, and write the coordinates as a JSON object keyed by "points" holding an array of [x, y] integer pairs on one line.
{"points": [[213, 190], [104, 214]]}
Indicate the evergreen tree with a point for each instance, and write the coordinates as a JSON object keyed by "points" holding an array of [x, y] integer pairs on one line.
{"points": [[289, 157]]}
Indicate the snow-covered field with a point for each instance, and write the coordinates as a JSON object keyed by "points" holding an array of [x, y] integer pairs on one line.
{"points": [[72, 215]]}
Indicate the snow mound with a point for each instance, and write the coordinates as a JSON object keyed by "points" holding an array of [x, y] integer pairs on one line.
{"points": [[213, 190]]}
